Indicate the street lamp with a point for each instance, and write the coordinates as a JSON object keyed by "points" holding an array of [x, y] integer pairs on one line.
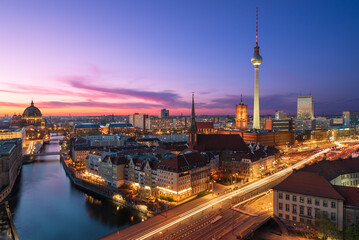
{"points": [[163, 235]]}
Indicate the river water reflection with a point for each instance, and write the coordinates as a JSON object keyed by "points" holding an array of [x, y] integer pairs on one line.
{"points": [[47, 206]]}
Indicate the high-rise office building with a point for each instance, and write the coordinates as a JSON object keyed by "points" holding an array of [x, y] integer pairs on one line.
{"points": [[305, 107], [164, 113], [351, 118], [256, 61]]}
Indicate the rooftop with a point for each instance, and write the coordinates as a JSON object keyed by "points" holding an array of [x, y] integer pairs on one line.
{"points": [[205, 125], [351, 195], [11, 130], [6, 146], [332, 169], [183, 162], [119, 124], [308, 183], [87, 125], [222, 142]]}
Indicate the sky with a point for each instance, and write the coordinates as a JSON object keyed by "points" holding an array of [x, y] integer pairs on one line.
{"points": [[121, 57]]}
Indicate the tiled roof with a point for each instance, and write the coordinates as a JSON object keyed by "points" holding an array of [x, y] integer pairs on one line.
{"points": [[87, 125], [332, 169], [351, 195], [115, 160], [183, 162], [308, 183], [202, 125], [154, 165], [221, 142]]}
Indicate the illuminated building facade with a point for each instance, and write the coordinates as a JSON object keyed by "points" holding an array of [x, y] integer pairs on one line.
{"points": [[87, 129], [11, 133], [32, 121], [241, 116], [351, 118], [205, 127], [120, 128], [163, 124], [141, 170], [183, 176], [265, 138], [279, 125], [141, 121], [305, 107]]}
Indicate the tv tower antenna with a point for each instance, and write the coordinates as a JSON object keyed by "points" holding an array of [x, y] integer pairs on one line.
{"points": [[256, 26]]}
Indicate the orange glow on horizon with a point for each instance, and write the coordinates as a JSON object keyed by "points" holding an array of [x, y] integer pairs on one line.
{"points": [[97, 111]]}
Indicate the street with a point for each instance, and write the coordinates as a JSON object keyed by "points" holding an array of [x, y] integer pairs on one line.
{"points": [[196, 209]]}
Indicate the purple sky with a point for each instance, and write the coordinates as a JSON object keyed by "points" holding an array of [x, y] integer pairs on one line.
{"points": [[121, 57]]}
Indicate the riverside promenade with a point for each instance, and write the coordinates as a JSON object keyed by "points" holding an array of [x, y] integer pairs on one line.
{"points": [[100, 190]]}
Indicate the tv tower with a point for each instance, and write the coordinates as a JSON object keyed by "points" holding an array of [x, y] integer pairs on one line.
{"points": [[256, 61]]}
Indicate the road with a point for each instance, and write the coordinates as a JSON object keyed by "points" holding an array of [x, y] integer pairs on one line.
{"points": [[158, 226]]}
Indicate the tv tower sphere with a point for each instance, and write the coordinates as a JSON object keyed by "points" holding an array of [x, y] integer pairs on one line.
{"points": [[256, 59]]}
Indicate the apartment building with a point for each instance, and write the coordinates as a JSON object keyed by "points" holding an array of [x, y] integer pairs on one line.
{"points": [[141, 170], [329, 187], [183, 176]]}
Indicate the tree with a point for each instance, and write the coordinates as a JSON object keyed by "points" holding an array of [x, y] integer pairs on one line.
{"points": [[351, 233], [326, 228]]}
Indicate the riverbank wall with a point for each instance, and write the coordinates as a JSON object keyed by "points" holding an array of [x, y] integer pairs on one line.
{"points": [[107, 193]]}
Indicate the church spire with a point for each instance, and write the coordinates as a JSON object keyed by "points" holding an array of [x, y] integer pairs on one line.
{"points": [[193, 126], [32, 102]]}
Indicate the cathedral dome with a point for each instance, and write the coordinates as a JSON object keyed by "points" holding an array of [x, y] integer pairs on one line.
{"points": [[32, 111]]}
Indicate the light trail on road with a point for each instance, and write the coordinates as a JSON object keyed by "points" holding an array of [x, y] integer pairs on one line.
{"points": [[227, 196]]}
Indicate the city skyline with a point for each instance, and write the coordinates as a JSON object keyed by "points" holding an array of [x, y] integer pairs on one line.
{"points": [[119, 58]]}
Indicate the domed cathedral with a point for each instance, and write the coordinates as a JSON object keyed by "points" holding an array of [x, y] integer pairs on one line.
{"points": [[33, 123], [32, 116]]}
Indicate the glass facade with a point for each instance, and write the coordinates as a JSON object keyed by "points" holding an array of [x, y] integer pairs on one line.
{"points": [[305, 107]]}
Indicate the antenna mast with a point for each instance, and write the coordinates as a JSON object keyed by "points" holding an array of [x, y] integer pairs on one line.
{"points": [[256, 26]]}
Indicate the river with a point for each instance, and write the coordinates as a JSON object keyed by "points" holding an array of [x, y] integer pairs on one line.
{"points": [[46, 205]]}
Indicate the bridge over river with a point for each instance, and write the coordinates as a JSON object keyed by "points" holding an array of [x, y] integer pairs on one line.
{"points": [[42, 154]]}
